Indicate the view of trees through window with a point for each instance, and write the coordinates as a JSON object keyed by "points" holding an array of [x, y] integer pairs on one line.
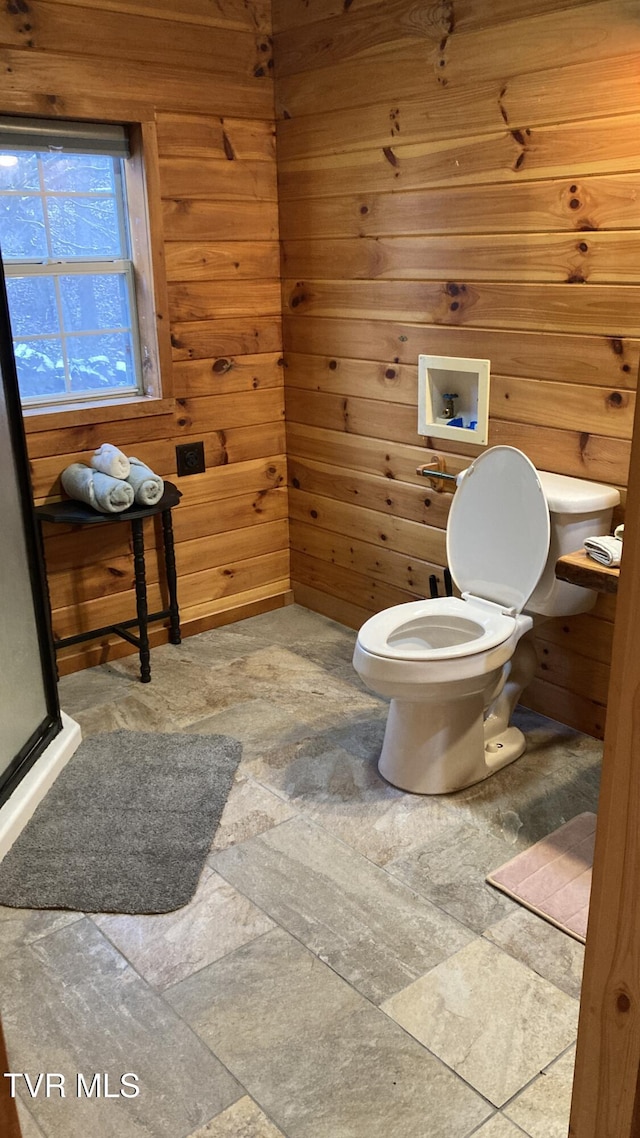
{"points": [[64, 244]]}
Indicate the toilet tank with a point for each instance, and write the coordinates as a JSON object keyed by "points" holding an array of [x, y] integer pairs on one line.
{"points": [[577, 510]]}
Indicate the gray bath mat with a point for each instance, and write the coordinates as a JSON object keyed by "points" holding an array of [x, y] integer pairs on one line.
{"points": [[126, 826]]}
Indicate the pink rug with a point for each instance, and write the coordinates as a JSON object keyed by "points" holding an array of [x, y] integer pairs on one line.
{"points": [[553, 878]]}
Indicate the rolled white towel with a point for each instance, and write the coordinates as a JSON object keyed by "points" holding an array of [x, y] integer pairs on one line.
{"points": [[147, 486], [109, 460], [112, 494], [105, 494], [77, 481], [605, 550]]}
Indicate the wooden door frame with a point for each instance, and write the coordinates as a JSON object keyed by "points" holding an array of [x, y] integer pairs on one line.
{"points": [[606, 1091]]}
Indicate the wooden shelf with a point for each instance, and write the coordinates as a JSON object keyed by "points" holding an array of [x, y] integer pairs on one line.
{"points": [[580, 569]]}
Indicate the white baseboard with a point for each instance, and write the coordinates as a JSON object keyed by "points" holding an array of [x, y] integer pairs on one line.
{"points": [[19, 807]]}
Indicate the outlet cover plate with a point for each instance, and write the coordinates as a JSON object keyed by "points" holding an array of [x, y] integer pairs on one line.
{"points": [[190, 459]]}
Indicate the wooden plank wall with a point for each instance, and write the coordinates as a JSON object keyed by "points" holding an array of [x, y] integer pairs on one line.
{"points": [[463, 179], [203, 72]]}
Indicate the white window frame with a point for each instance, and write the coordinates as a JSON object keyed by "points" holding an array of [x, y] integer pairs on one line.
{"points": [[144, 280]]}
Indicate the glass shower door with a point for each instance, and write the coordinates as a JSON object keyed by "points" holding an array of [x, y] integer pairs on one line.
{"points": [[29, 711]]}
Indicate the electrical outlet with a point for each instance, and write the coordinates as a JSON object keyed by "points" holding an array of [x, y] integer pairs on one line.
{"points": [[190, 459]]}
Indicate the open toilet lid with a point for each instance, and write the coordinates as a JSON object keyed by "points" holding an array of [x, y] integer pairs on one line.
{"points": [[498, 529]]}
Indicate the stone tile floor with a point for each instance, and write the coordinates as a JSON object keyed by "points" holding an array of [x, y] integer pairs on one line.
{"points": [[343, 971]]}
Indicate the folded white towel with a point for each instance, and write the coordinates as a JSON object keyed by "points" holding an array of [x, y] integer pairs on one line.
{"points": [[606, 550], [109, 460], [147, 486], [105, 494]]}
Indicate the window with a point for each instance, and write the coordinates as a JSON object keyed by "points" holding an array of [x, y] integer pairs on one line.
{"points": [[66, 248]]}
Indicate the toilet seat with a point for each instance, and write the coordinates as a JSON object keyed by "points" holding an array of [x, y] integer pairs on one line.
{"points": [[495, 571], [412, 631], [499, 530]]}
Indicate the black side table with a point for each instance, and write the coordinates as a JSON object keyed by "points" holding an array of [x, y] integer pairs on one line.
{"points": [[78, 514]]}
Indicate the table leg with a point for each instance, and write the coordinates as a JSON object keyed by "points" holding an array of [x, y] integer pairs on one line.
{"points": [[141, 599], [172, 581]]}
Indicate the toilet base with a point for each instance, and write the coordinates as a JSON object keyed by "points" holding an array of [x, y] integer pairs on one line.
{"points": [[438, 748]]}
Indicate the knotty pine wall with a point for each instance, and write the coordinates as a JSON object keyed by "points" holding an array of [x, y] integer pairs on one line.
{"points": [[456, 178], [203, 72]]}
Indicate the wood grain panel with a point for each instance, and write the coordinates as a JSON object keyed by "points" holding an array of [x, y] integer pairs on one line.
{"points": [[266, 504], [330, 41], [596, 409], [222, 260], [219, 178], [207, 136], [203, 220], [247, 16], [229, 479], [377, 564], [222, 448], [28, 75], [335, 607], [576, 453], [209, 300], [593, 258], [559, 94], [521, 401], [585, 634], [381, 530], [357, 416], [92, 31], [290, 14], [239, 409], [508, 155], [416, 502], [567, 204], [575, 672], [356, 588], [596, 31], [75, 586], [566, 706], [194, 589], [392, 382], [89, 436], [607, 32], [240, 337], [595, 360], [568, 307], [255, 493], [369, 455], [227, 374]]}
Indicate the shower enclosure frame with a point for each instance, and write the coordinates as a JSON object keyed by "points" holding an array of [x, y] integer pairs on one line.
{"points": [[51, 725]]}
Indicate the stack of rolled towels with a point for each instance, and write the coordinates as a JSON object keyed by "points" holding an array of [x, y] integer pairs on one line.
{"points": [[606, 550], [112, 482]]}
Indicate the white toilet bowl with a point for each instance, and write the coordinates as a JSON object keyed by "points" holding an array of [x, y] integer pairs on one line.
{"points": [[455, 668], [442, 663]]}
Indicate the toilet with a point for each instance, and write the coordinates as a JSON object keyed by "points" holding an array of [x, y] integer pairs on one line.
{"points": [[454, 667]]}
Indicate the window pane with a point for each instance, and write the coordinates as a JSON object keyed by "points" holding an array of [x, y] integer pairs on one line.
{"points": [[18, 170], [32, 305], [92, 301], [79, 173], [98, 363], [40, 367], [22, 232], [84, 227]]}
